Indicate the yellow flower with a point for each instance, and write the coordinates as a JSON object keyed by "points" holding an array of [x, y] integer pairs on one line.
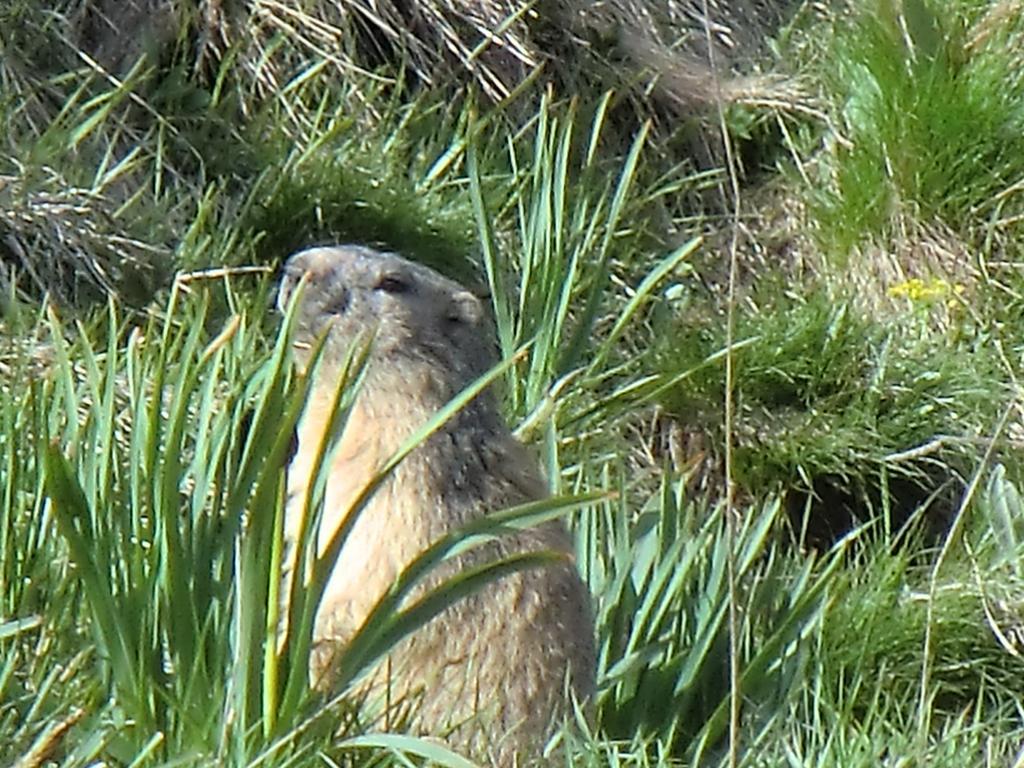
{"points": [[917, 289]]}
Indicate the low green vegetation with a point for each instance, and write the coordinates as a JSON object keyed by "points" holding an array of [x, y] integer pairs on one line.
{"points": [[829, 398], [870, 549]]}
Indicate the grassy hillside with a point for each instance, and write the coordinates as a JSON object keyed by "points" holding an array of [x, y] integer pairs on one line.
{"points": [[772, 349]]}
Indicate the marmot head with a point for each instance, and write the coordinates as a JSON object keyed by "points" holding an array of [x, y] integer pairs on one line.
{"points": [[412, 314]]}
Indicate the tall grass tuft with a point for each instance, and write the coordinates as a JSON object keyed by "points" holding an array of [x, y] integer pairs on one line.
{"points": [[929, 95]]}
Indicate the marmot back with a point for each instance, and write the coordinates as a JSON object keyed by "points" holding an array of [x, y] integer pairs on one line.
{"points": [[493, 673]]}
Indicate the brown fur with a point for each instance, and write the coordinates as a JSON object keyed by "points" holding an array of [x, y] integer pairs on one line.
{"points": [[490, 673]]}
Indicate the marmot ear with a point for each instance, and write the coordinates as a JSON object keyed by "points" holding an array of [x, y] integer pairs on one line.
{"points": [[466, 308]]}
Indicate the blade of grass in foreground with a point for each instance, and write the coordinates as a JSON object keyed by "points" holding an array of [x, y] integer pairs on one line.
{"points": [[71, 511], [402, 745], [805, 609]]}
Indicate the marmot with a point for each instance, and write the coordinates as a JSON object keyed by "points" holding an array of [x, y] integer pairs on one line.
{"points": [[493, 673]]}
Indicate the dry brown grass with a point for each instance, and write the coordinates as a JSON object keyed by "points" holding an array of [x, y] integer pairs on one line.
{"points": [[494, 43]]}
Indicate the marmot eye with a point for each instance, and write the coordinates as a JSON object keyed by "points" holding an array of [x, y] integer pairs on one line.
{"points": [[392, 284]]}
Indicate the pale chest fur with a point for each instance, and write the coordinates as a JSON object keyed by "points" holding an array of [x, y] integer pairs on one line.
{"points": [[388, 532]]}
